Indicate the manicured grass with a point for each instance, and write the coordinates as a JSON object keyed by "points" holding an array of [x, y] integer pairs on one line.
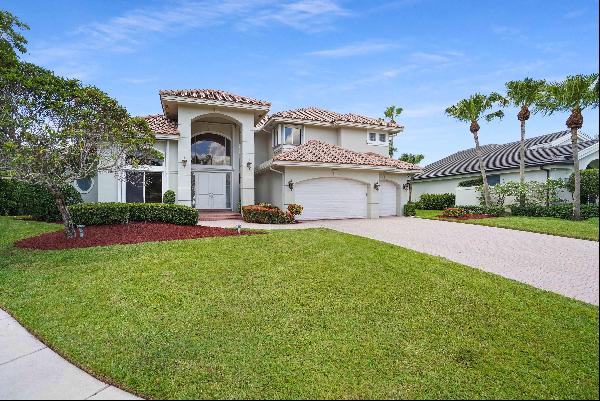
{"points": [[585, 229], [297, 314]]}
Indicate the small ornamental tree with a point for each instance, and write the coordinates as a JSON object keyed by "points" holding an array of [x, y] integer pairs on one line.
{"points": [[55, 130], [411, 158]]}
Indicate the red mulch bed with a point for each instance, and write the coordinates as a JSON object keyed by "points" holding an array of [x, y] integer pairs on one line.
{"points": [[467, 217], [131, 233]]}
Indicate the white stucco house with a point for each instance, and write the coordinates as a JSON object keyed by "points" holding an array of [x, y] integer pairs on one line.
{"points": [[222, 151], [546, 156]]}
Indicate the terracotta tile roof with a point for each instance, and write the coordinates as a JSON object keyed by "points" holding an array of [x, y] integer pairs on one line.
{"points": [[213, 94], [159, 124], [321, 152], [322, 115]]}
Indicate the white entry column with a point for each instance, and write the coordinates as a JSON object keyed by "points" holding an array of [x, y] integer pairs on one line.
{"points": [[184, 152], [247, 165]]}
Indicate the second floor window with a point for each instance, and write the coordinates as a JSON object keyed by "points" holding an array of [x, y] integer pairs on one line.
{"points": [[288, 135], [210, 148], [375, 138]]}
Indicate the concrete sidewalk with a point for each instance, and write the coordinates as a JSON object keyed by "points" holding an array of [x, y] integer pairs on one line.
{"points": [[30, 370]]}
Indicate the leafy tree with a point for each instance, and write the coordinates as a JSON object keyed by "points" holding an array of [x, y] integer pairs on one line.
{"points": [[11, 41], [590, 182], [411, 158], [525, 95], [471, 110], [55, 130], [392, 112], [574, 94]]}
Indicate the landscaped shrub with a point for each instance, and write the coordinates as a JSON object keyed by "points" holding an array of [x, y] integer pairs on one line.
{"points": [[20, 198], [410, 209], [93, 214], [436, 201], [495, 211], [562, 211], [295, 209], [533, 192], [589, 185], [169, 197], [266, 214], [475, 182], [453, 212], [163, 213]]}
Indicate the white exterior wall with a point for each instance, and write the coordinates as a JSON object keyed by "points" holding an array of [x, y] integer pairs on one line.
{"points": [[324, 134], [356, 139]]}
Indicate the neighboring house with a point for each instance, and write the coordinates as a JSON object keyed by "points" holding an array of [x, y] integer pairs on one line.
{"points": [[546, 156], [222, 151]]}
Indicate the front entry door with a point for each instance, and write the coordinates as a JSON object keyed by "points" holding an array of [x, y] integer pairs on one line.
{"points": [[210, 190]]}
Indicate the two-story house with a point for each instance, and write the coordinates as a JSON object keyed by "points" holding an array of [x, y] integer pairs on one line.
{"points": [[222, 151]]}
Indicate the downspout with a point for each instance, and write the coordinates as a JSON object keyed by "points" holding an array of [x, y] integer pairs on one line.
{"points": [[547, 178]]}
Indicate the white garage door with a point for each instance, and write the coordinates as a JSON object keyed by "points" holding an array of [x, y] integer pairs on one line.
{"points": [[331, 198], [387, 203]]}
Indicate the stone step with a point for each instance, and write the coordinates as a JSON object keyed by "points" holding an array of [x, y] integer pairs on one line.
{"points": [[214, 216]]}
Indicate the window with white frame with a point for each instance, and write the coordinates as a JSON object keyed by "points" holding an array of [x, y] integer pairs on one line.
{"points": [[375, 138], [84, 185], [288, 135]]}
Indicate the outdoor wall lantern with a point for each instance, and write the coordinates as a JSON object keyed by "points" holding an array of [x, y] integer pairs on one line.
{"points": [[376, 186], [184, 162], [249, 165], [291, 185], [406, 186]]}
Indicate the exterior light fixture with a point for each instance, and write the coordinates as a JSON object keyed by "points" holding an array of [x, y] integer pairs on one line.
{"points": [[376, 186], [81, 229], [249, 165], [184, 162], [291, 185], [406, 186]]}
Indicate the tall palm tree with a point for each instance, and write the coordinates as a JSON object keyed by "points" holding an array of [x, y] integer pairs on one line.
{"points": [[574, 94], [525, 95], [471, 110], [392, 112]]}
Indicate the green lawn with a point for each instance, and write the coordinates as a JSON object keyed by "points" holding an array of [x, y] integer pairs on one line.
{"points": [[297, 314], [585, 229]]}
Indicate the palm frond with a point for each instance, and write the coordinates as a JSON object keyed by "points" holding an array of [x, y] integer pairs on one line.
{"points": [[527, 92]]}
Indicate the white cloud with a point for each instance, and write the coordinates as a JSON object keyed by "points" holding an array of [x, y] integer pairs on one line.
{"points": [[303, 15], [436, 57], [356, 49]]}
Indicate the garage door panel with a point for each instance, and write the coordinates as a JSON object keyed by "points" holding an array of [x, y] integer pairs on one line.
{"points": [[331, 198], [387, 199]]}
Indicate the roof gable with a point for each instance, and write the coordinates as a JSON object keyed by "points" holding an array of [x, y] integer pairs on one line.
{"points": [[319, 115]]}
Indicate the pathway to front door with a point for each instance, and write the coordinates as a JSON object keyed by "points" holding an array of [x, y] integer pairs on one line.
{"points": [[211, 190]]}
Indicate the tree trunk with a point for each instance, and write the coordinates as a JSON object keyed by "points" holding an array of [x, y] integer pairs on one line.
{"points": [[522, 164], [486, 189], [577, 173], [64, 211]]}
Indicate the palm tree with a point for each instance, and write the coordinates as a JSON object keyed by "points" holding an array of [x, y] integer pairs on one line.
{"points": [[574, 94], [525, 95], [392, 112], [471, 110]]}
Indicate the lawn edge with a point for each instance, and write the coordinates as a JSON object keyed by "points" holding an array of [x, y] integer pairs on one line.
{"points": [[506, 228], [89, 371]]}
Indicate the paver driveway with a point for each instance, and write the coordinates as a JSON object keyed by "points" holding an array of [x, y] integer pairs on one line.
{"points": [[564, 265]]}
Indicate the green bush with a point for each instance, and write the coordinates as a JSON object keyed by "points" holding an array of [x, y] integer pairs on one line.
{"points": [[96, 214], [410, 209], [18, 198], [562, 211], [453, 212], [92, 214], [589, 185], [495, 211], [266, 214], [169, 197], [436, 201], [295, 209], [475, 182]]}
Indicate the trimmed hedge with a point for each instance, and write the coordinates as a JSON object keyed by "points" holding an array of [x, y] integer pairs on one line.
{"points": [[562, 211], [436, 201], [266, 214], [93, 214], [410, 209], [18, 198], [454, 212], [590, 183], [495, 211]]}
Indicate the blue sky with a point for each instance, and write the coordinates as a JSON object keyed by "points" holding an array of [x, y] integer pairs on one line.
{"points": [[347, 56]]}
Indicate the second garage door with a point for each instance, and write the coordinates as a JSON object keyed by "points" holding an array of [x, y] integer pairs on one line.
{"points": [[331, 198], [387, 203]]}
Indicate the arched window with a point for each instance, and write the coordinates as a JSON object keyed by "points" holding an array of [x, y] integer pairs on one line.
{"points": [[593, 164], [211, 149]]}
